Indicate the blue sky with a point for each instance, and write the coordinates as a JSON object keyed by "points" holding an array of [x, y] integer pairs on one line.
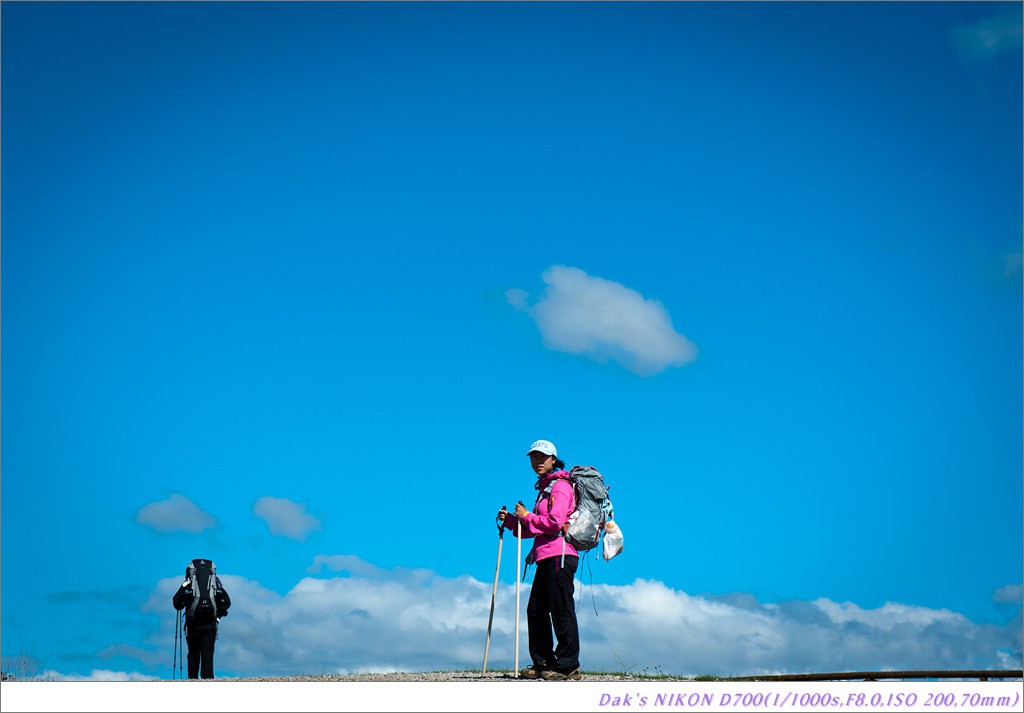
{"points": [[293, 286]]}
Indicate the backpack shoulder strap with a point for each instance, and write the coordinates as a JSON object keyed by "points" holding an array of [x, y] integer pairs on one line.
{"points": [[549, 492], [195, 589]]}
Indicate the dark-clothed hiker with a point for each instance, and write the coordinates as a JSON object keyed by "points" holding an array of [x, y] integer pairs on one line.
{"points": [[551, 606], [205, 601]]}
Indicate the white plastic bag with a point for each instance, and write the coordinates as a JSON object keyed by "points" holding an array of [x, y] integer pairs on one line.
{"points": [[612, 540]]}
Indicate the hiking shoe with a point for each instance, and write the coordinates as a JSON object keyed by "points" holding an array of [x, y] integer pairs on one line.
{"points": [[552, 675], [532, 671]]}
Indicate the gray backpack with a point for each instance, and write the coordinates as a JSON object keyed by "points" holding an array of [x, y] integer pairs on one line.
{"points": [[593, 508]]}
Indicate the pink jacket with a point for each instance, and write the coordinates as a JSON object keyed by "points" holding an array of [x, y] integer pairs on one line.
{"points": [[550, 514]]}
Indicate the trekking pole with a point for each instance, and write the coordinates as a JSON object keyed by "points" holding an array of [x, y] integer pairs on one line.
{"points": [[174, 661], [181, 648], [494, 591], [179, 617], [519, 564]]}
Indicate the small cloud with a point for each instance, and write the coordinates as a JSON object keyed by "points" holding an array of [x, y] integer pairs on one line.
{"points": [[984, 39], [1010, 594], [344, 563], [175, 514], [1011, 265], [285, 517], [600, 319], [517, 298]]}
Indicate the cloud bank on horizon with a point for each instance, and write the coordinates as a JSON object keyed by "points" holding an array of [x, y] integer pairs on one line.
{"points": [[600, 319], [374, 620]]}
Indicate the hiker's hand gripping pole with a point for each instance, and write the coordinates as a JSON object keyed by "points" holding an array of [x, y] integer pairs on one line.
{"points": [[500, 521]]}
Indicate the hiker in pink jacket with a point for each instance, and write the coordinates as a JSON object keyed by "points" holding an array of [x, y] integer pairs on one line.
{"points": [[551, 602]]}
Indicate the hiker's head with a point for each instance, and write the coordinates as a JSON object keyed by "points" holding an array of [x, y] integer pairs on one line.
{"points": [[544, 458]]}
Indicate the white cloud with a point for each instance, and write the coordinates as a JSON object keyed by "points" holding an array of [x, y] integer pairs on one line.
{"points": [[416, 620], [1010, 594], [600, 319], [98, 674], [346, 563], [987, 37], [175, 514], [285, 517], [517, 298], [888, 616]]}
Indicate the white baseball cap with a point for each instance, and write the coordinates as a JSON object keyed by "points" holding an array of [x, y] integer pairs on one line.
{"points": [[545, 447]]}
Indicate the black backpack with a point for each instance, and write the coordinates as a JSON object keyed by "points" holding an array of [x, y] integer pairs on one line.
{"points": [[206, 605]]}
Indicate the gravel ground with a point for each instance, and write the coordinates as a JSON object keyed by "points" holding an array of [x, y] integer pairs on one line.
{"points": [[460, 676]]}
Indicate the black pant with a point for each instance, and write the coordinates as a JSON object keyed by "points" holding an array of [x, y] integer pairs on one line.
{"points": [[551, 605], [201, 640]]}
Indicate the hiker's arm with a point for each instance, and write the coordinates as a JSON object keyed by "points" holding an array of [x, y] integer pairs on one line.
{"points": [[224, 600], [558, 515], [510, 521], [510, 524], [180, 597]]}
